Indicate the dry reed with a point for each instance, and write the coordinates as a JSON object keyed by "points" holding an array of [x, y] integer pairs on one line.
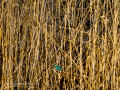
{"points": [[82, 36]]}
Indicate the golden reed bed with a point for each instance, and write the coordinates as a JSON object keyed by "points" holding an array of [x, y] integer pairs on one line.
{"points": [[81, 36]]}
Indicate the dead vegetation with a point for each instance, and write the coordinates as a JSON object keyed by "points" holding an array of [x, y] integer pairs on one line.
{"points": [[82, 36]]}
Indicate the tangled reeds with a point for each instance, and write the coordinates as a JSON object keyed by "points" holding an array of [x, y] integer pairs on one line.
{"points": [[81, 36]]}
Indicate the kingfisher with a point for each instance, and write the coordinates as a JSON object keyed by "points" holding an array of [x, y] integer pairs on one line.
{"points": [[57, 67]]}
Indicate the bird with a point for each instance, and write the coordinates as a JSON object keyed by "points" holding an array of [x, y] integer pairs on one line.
{"points": [[57, 67]]}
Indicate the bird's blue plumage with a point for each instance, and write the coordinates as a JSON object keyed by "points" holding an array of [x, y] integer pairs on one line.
{"points": [[57, 67]]}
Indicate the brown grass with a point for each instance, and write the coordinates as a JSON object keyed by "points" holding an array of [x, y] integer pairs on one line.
{"points": [[82, 36]]}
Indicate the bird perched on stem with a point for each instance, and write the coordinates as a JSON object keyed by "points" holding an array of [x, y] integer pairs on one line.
{"points": [[57, 67]]}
